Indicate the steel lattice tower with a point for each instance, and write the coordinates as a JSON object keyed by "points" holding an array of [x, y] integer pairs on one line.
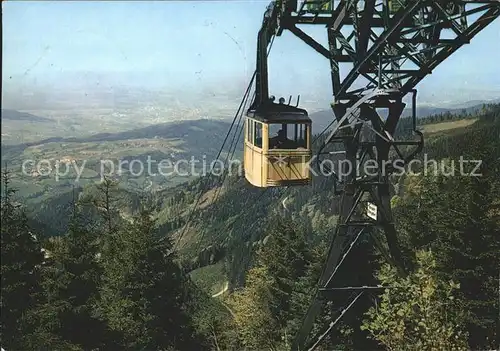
{"points": [[387, 47]]}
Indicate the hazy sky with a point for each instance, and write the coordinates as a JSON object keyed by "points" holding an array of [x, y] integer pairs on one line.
{"points": [[185, 43]]}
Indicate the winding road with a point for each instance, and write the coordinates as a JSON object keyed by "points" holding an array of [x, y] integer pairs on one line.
{"points": [[224, 289]]}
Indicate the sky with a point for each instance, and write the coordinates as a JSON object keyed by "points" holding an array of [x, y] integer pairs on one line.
{"points": [[202, 44]]}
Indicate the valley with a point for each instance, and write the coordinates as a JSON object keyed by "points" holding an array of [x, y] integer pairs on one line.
{"points": [[48, 167], [81, 162], [218, 228], [62, 149]]}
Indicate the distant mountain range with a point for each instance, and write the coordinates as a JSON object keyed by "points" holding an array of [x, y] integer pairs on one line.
{"points": [[321, 119], [198, 132], [22, 116]]}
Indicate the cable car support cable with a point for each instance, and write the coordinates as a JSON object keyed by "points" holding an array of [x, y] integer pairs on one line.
{"points": [[206, 179]]}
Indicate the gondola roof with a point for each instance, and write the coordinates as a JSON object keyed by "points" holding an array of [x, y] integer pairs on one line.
{"points": [[279, 113]]}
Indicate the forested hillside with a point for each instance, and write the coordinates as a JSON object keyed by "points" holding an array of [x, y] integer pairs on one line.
{"points": [[123, 271]]}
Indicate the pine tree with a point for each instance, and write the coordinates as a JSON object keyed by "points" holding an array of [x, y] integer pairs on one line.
{"points": [[21, 261], [471, 249], [286, 257], [214, 320], [257, 327], [269, 307], [71, 281], [418, 312], [457, 217], [143, 292]]}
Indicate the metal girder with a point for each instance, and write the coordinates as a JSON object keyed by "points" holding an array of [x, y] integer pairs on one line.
{"points": [[387, 36], [368, 33], [489, 16], [364, 28], [317, 46], [351, 119]]}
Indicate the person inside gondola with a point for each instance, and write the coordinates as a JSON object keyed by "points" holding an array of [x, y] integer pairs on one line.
{"points": [[280, 141]]}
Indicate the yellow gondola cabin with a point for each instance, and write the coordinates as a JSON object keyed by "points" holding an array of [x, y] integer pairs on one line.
{"points": [[277, 148]]}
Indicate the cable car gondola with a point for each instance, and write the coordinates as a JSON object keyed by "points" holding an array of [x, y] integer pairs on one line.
{"points": [[277, 148]]}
